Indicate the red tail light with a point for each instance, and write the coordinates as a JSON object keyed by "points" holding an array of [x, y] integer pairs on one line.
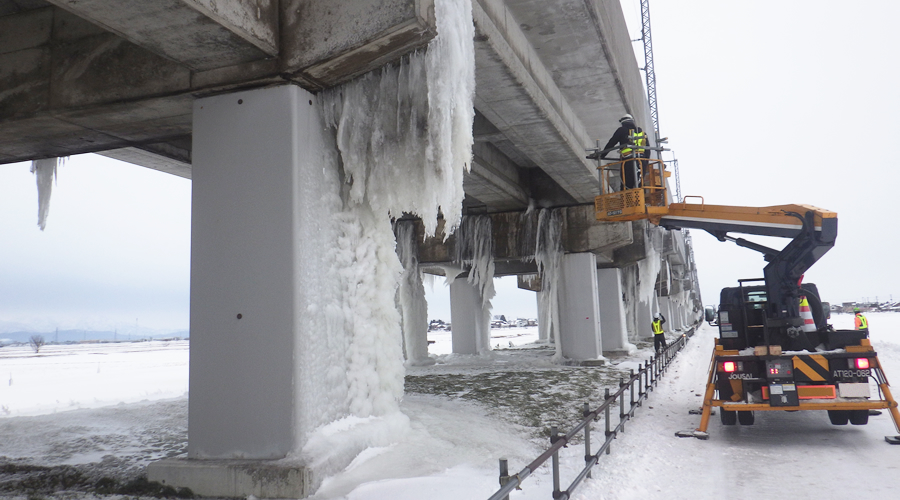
{"points": [[729, 366], [862, 363]]}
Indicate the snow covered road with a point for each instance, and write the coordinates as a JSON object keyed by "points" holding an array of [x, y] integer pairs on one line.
{"points": [[783, 455]]}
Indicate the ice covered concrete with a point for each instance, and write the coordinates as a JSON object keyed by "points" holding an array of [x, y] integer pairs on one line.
{"points": [[411, 297], [470, 302], [469, 317], [614, 334]]}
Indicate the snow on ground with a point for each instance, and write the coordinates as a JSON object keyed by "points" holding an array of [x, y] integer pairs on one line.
{"points": [[110, 409], [67, 377]]}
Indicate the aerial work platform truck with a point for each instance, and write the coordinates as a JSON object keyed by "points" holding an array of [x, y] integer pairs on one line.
{"points": [[775, 350]]}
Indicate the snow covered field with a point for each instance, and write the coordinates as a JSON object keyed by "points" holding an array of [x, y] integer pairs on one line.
{"points": [[110, 409]]}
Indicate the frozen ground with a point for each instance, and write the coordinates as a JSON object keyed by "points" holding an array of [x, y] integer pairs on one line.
{"points": [[82, 421]]}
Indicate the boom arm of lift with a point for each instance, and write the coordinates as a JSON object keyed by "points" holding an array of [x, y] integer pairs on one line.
{"points": [[813, 231]]}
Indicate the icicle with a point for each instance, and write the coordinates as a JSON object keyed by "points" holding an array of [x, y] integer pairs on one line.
{"points": [[474, 249], [45, 173]]}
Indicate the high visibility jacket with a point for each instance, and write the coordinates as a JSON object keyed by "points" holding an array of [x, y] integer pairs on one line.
{"points": [[861, 322], [657, 327], [637, 139]]}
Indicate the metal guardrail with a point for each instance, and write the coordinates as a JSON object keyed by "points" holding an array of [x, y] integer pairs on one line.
{"points": [[646, 378]]}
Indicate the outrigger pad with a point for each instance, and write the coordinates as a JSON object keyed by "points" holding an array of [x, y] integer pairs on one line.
{"points": [[700, 412], [892, 439], [692, 434]]}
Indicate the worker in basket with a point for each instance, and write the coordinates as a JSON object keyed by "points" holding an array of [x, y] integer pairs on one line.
{"points": [[629, 137]]}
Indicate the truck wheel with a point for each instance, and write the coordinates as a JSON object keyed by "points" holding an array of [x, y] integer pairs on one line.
{"points": [[859, 417], [746, 417], [839, 417], [728, 417]]}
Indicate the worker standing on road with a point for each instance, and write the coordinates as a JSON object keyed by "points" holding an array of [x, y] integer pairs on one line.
{"points": [[659, 336], [629, 137], [860, 322]]}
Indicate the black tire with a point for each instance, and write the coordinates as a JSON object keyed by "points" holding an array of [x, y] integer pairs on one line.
{"points": [[839, 417], [728, 417], [859, 417], [746, 417]]}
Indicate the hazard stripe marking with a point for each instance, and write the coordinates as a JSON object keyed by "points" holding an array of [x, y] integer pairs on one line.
{"points": [[814, 366]]}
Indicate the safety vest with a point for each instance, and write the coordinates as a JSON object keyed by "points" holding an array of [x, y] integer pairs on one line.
{"points": [[637, 139], [657, 327], [861, 322]]}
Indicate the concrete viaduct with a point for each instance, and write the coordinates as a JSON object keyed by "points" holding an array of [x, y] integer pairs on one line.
{"points": [[218, 91]]}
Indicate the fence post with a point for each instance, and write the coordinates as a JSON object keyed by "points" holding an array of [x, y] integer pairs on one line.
{"points": [[504, 475], [640, 381], [622, 403], [554, 436], [647, 375], [606, 400], [587, 438], [631, 392]]}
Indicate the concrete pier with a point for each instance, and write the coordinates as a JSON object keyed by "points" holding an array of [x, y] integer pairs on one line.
{"points": [[471, 330], [253, 153], [612, 312], [579, 308]]}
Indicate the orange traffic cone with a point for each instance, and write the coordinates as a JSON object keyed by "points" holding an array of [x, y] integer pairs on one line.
{"points": [[809, 323]]}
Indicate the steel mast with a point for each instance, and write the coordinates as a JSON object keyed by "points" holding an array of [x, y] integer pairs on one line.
{"points": [[650, 74]]}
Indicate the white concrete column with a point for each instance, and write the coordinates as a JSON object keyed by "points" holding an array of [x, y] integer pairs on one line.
{"points": [[470, 323], [614, 333], [257, 159], [579, 308]]}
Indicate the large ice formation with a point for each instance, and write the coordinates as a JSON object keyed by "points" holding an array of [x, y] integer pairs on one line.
{"points": [[403, 139], [405, 132]]}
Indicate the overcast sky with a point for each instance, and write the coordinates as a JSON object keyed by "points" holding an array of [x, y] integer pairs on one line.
{"points": [[115, 253], [764, 102], [774, 102]]}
